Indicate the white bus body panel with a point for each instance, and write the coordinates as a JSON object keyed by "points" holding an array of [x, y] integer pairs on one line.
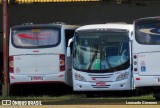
{"points": [[147, 56], [150, 62], [50, 64], [146, 81], [46, 66]]}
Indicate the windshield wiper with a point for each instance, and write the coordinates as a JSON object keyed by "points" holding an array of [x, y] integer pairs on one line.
{"points": [[93, 58]]}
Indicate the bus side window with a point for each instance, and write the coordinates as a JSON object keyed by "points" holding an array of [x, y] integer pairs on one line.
{"points": [[69, 34]]}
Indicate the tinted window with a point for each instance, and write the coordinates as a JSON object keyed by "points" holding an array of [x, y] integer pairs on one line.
{"points": [[31, 38], [106, 51], [148, 33]]}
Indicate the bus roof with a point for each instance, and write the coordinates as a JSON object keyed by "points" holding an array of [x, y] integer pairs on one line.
{"points": [[148, 18], [66, 26], [108, 25]]}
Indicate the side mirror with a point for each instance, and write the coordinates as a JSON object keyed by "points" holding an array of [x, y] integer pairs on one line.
{"points": [[68, 51], [131, 37], [68, 48]]}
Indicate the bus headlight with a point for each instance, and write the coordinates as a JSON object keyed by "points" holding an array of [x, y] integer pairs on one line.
{"points": [[79, 77], [122, 76]]}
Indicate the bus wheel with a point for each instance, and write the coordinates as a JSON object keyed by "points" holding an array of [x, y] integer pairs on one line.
{"points": [[8, 89], [11, 90], [89, 94], [156, 95], [138, 92]]}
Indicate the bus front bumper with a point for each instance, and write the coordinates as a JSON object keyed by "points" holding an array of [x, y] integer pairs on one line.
{"points": [[98, 86], [33, 79]]}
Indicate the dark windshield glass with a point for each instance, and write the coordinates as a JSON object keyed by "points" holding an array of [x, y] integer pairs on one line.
{"points": [[31, 38], [106, 51], [148, 33]]}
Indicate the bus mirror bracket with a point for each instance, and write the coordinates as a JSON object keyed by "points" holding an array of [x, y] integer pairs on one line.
{"points": [[68, 51], [131, 37], [70, 41], [68, 48]]}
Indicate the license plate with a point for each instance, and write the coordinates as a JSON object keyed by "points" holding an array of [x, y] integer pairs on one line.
{"points": [[100, 84], [36, 78]]}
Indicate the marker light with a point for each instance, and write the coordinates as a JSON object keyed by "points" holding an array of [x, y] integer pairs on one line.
{"points": [[62, 62], [135, 62], [11, 64], [137, 78], [135, 69], [135, 56]]}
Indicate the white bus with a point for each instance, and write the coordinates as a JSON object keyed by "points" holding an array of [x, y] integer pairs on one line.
{"points": [[146, 54], [102, 58], [37, 53]]}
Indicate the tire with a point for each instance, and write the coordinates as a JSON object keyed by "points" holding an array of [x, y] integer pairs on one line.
{"points": [[156, 95], [138, 92], [89, 94], [6, 91], [11, 90]]}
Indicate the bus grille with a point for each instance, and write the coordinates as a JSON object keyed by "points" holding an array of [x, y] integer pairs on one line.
{"points": [[104, 86], [102, 77]]}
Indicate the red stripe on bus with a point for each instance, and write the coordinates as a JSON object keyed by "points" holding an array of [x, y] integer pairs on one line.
{"points": [[29, 37]]}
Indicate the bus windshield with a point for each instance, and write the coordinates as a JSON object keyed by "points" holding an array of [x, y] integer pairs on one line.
{"points": [[148, 33], [33, 38], [101, 51]]}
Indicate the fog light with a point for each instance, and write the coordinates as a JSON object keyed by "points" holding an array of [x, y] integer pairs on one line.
{"points": [[122, 85]]}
